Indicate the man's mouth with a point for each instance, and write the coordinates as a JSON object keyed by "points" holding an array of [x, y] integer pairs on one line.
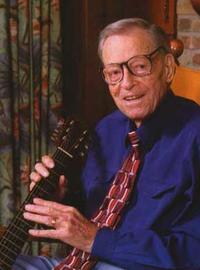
{"points": [[130, 98]]}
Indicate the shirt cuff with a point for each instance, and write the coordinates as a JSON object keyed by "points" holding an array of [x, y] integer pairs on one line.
{"points": [[104, 243]]}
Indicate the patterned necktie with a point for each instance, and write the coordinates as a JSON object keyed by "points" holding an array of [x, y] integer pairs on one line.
{"points": [[109, 213]]}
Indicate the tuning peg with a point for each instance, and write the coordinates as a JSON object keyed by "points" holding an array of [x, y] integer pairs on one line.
{"points": [[58, 132], [71, 122], [82, 154]]}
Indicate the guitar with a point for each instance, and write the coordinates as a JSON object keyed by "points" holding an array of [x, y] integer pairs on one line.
{"points": [[71, 140]]}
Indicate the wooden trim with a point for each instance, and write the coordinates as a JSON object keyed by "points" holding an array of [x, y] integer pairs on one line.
{"points": [[196, 5]]}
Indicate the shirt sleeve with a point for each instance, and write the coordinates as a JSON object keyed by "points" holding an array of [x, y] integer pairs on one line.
{"points": [[147, 249]]}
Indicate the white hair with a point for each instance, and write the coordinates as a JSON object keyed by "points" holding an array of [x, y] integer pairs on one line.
{"points": [[125, 26]]}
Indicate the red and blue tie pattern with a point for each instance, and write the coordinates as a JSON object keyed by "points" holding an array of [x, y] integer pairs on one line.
{"points": [[109, 213]]}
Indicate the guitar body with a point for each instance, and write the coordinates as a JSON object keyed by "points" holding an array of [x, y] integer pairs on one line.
{"points": [[71, 139]]}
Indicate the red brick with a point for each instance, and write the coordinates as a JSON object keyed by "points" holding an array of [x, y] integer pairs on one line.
{"points": [[184, 24], [187, 40], [195, 25], [196, 59], [195, 44]]}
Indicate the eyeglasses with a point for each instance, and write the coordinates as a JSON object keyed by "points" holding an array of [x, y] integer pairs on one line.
{"points": [[139, 65]]}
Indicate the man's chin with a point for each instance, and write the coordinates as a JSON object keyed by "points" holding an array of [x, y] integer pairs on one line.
{"points": [[132, 114], [136, 118]]}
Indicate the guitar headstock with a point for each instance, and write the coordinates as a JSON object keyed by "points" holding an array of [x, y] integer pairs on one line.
{"points": [[71, 137]]}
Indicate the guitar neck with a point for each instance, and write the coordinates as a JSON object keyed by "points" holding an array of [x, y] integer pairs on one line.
{"points": [[16, 234]]}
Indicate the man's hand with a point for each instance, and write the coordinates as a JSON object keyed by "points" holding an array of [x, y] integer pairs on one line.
{"points": [[68, 224], [42, 170]]}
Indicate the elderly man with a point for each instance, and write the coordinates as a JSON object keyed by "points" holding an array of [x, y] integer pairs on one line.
{"points": [[151, 215]]}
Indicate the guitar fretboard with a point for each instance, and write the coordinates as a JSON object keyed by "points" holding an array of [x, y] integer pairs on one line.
{"points": [[16, 234]]}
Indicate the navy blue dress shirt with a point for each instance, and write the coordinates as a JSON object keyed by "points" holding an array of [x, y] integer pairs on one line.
{"points": [[160, 228]]}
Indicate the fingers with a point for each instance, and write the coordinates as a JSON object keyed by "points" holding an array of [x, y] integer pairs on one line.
{"points": [[62, 181], [67, 223], [54, 207], [35, 177], [43, 212], [52, 233], [80, 235], [45, 220], [48, 161], [41, 170], [62, 187]]}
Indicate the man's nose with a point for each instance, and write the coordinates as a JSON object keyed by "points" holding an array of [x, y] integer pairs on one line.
{"points": [[128, 80]]}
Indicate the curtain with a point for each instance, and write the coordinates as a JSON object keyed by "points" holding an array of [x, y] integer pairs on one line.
{"points": [[30, 93]]}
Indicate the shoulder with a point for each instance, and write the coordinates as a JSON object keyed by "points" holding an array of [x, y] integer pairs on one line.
{"points": [[187, 112], [186, 103], [184, 122], [113, 121], [111, 132]]}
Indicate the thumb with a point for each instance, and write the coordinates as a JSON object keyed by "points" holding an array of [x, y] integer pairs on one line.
{"points": [[62, 187]]}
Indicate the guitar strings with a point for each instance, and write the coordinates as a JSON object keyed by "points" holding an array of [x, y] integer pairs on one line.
{"points": [[58, 156]]}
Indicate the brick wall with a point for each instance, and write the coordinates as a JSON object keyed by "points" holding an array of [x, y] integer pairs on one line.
{"points": [[188, 30]]}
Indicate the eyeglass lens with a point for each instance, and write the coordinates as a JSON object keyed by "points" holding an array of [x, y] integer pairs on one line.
{"points": [[139, 66]]}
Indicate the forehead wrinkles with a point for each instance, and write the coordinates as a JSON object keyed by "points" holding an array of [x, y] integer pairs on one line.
{"points": [[119, 48]]}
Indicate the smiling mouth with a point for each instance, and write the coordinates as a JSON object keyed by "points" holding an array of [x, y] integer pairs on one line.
{"points": [[132, 98]]}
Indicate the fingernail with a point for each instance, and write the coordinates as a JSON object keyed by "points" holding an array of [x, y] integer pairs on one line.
{"points": [[25, 215], [46, 173], [51, 164]]}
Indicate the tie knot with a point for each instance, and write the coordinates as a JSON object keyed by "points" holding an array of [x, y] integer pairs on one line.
{"points": [[133, 137]]}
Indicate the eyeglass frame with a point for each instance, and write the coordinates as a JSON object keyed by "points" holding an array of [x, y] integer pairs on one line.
{"points": [[148, 56]]}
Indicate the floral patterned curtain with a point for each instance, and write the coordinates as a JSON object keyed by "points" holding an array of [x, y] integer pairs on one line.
{"points": [[30, 92]]}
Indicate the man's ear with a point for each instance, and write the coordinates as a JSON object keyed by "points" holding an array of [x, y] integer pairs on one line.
{"points": [[170, 67]]}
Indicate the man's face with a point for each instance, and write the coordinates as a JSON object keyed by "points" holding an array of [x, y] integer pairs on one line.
{"points": [[137, 97]]}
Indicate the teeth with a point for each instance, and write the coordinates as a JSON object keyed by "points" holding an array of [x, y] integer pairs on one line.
{"points": [[131, 98]]}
